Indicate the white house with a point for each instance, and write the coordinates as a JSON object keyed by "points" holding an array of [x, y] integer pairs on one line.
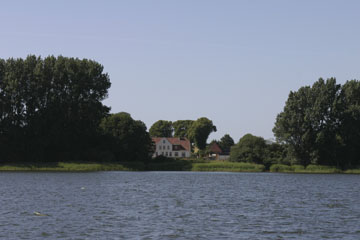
{"points": [[172, 147]]}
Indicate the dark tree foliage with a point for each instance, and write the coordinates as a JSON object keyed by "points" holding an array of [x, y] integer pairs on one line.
{"points": [[161, 128], [319, 124], [181, 128], [250, 149], [200, 131], [349, 139], [128, 138], [275, 153], [50, 108], [226, 142]]}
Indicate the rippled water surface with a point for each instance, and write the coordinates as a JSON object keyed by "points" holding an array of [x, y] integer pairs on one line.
{"points": [[179, 205]]}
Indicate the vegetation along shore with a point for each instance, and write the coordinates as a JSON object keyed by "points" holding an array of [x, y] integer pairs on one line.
{"points": [[171, 165], [52, 118]]}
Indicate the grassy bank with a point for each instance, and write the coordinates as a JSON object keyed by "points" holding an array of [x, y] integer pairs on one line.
{"points": [[164, 165], [68, 167], [198, 165], [309, 169], [201, 165], [227, 167]]}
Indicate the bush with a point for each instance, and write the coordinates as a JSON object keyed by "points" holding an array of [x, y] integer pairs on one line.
{"points": [[298, 168], [321, 169], [196, 160], [281, 168], [161, 158]]}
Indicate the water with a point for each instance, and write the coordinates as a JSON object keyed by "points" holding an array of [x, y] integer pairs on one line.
{"points": [[179, 205]]}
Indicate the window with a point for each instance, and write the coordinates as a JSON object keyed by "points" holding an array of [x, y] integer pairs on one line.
{"points": [[183, 154], [168, 147], [170, 154], [163, 141], [176, 154], [162, 153], [159, 147], [166, 154]]}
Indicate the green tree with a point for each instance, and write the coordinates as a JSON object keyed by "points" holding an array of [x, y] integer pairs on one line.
{"points": [[200, 131], [250, 149], [275, 153], [349, 138], [226, 142], [181, 127], [161, 128], [50, 107], [309, 123], [127, 138]]}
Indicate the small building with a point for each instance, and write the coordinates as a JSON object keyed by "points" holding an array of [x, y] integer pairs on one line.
{"points": [[214, 150], [172, 147], [216, 153]]}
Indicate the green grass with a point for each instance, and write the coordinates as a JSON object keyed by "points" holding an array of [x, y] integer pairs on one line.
{"points": [[321, 169], [309, 169], [177, 165], [203, 166], [68, 167], [227, 167], [171, 165], [353, 171]]}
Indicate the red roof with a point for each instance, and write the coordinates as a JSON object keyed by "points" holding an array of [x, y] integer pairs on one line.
{"points": [[184, 142], [214, 148]]}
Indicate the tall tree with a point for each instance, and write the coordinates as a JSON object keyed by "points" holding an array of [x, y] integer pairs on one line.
{"points": [[200, 131], [350, 123], [50, 106], [181, 127], [309, 123], [161, 128], [226, 142], [129, 140]]}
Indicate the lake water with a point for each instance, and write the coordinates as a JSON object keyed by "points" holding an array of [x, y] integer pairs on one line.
{"points": [[179, 205]]}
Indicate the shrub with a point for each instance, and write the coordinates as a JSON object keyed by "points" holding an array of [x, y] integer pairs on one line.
{"points": [[298, 168], [228, 167], [281, 168], [321, 169]]}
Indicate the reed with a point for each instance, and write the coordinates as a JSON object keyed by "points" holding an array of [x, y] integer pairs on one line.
{"points": [[72, 167], [353, 171], [321, 169], [171, 165], [227, 167]]}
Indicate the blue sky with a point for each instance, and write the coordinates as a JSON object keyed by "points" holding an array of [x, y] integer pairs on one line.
{"points": [[234, 62]]}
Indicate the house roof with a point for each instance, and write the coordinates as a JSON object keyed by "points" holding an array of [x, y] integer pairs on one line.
{"points": [[184, 142], [215, 148]]}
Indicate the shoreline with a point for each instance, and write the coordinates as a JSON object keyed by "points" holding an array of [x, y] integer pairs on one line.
{"points": [[176, 165]]}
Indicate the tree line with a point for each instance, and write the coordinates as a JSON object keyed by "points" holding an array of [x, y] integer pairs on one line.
{"points": [[320, 124], [197, 131], [51, 110]]}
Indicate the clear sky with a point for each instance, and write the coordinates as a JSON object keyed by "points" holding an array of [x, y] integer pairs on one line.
{"points": [[234, 62]]}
